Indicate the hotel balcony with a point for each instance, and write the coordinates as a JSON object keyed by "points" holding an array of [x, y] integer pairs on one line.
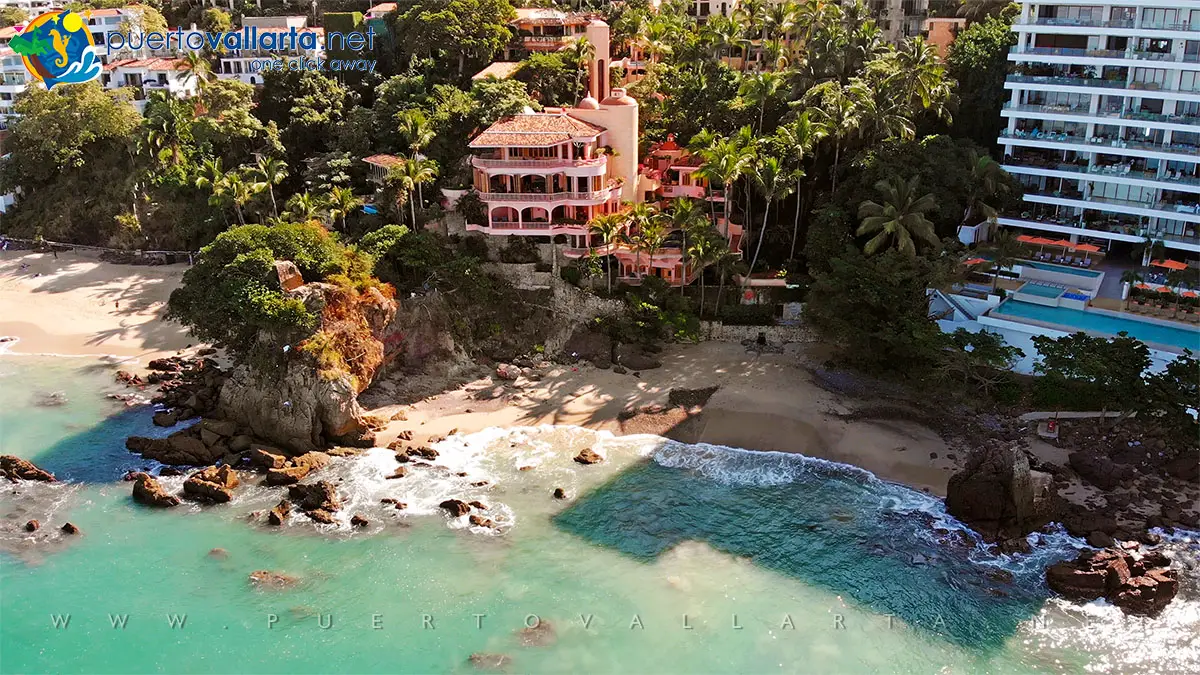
{"points": [[1101, 57], [592, 197], [1114, 28], [595, 166], [1115, 173], [538, 228], [1099, 86], [1100, 230], [1081, 115], [1188, 212], [545, 42], [1099, 144]]}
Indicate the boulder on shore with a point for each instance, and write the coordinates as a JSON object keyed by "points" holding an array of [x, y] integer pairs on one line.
{"points": [[148, 491], [456, 507], [299, 468], [69, 528], [1000, 497], [1139, 582], [14, 468], [280, 513]]}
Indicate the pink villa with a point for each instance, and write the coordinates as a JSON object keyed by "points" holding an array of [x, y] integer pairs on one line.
{"points": [[546, 174]]}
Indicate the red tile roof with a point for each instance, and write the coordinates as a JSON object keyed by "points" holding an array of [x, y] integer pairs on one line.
{"points": [[147, 64], [382, 8], [385, 161], [535, 129], [498, 69]]}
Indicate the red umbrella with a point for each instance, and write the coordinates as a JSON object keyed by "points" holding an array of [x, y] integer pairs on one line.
{"points": [[974, 261], [1087, 249], [1190, 294]]}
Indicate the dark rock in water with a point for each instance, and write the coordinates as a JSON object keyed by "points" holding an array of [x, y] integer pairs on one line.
{"points": [[148, 491], [400, 472], [560, 493], [267, 457], [480, 521], [402, 457], [14, 468], [479, 483], [1139, 582], [51, 399], [164, 419], [69, 528], [478, 505], [280, 513], [1099, 539], [218, 553], [1003, 576], [490, 662], [170, 471], [359, 520], [214, 484], [455, 507], [32, 526], [540, 635], [321, 495], [1000, 497], [299, 468], [588, 456], [272, 580]]}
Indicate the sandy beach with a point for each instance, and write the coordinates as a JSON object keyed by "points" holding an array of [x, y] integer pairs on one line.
{"points": [[73, 304], [77, 305], [764, 402]]}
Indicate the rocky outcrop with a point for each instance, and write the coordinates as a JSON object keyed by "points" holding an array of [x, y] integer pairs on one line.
{"points": [[1100, 470], [32, 526], [319, 496], [148, 491], [359, 520], [69, 528], [297, 468], [490, 662], [1139, 582], [14, 468], [588, 456], [272, 580], [635, 357], [202, 444], [1000, 497], [214, 484]]}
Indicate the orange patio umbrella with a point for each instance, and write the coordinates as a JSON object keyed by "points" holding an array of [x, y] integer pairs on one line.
{"points": [[1170, 264], [1087, 249], [1143, 287], [974, 261], [1190, 294]]}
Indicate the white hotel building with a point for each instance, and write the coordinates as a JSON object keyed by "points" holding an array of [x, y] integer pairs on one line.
{"points": [[1103, 120]]}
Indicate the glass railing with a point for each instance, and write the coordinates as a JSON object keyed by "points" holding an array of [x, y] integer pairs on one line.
{"points": [[1068, 81], [1100, 172], [1100, 143], [1118, 23], [1111, 114], [1108, 54]]}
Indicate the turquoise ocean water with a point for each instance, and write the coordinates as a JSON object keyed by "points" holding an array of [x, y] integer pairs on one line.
{"points": [[668, 558]]}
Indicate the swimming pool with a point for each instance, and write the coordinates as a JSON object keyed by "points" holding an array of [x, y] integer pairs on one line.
{"points": [[1040, 290], [1101, 323], [1049, 267]]}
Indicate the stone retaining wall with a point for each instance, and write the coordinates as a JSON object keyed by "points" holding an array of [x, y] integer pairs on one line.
{"points": [[719, 332]]}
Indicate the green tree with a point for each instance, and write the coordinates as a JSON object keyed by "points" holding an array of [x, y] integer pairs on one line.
{"points": [[759, 90], [1006, 252], [840, 109], [978, 61], [416, 130], [216, 20], [875, 311], [773, 182], [797, 139], [705, 251], [550, 75], [11, 16], [232, 294], [579, 52], [1132, 277], [608, 226], [988, 179], [459, 32], [199, 69], [1170, 399], [303, 208], [899, 222], [1111, 368], [238, 188], [341, 202], [271, 172], [408, 176]]}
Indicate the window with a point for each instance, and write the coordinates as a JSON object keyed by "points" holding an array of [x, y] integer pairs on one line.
{"points": [[1159, 18], [1189, 80]]}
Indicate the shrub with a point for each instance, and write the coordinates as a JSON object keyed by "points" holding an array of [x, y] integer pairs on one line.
{"points": [[519, 250]]}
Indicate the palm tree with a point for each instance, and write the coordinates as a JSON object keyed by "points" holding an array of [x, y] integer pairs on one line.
{"points": [[341, 202], [303, 207], [271, 171], [1006, 252], [798, 138], [640, 216], [724, 163], [727, 263], [704, 251], [198, 68], [987, 181], [608, 226], [839, 109], [899, 220], [238, 190], [1133, 278], [410, 174], [688, 217], [580, 52], [915, 72], [417, 130], [760, 88], [774, 182], [1175, 280], [208, 177], [652, 238]]}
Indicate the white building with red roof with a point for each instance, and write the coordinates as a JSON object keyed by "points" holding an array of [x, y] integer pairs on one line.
{"points": [[245, 64], [145, 76]]}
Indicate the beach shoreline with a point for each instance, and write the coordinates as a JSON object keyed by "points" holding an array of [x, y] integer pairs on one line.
{"points": [[73, 304]]}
